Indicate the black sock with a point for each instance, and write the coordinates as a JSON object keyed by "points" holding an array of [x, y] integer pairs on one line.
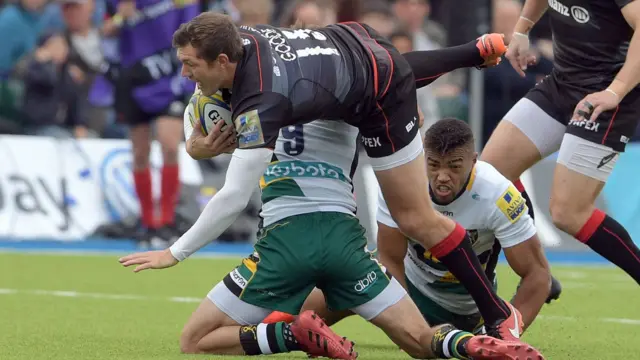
{"points": [[610, 239], [429, 65], [272, 338], [456, 254], [449, 343]]}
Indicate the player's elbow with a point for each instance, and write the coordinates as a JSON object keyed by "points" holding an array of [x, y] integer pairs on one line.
{"points": [[235, 197]]}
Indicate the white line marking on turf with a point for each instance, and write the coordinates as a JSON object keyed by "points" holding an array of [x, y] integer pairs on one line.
{"points": [[114, 253], [557, 317], [186, 299], [622, 321], [59, 293]]}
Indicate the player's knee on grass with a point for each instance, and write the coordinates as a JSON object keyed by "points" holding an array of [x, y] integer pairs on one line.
{"points": [[405, 326], [210, 316]]}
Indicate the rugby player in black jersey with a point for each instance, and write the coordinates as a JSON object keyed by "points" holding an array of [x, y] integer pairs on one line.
{"points": [[345, 72], [587, 108]]}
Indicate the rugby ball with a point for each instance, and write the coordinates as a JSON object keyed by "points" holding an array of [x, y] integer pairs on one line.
{"points": [[208, 111]]}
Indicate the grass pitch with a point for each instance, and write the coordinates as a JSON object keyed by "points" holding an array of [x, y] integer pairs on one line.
{"points": [[89, 307]]}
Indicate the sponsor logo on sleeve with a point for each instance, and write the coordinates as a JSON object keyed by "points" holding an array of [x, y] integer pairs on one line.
{"points": [[249, 129], [512, 204]]}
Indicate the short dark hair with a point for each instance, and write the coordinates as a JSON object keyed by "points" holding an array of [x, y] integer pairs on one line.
{"points": [[447, 135], [211, 34]]}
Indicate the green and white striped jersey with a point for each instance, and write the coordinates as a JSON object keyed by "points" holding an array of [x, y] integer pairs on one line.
{"points": [[311, 171]]}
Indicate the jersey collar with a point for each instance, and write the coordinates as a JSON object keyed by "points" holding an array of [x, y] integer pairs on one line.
{"points": [[467, 187]]}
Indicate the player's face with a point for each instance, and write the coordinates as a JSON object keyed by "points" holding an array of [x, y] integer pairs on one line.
{"points": [[208, 75], [449, 173]]}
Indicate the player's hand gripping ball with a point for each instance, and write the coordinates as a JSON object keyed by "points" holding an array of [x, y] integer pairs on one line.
{"points": [[208, 111]]}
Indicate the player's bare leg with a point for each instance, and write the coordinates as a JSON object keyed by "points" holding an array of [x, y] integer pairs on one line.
{"points": [[573, 208], [406, 192], [510, 151], [211, 331]]}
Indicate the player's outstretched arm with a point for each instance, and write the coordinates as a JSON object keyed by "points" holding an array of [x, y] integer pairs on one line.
{"points": [[429, 65], [245, 169], [518, 53], [528, 261], [514, 229]]}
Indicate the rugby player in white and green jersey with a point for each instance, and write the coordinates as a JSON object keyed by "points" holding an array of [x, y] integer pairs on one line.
{"points": [[492, 210], [494, 213]]}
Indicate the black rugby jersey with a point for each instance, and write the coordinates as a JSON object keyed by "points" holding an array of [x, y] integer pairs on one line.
{"points": [[294, 76], [590, 36]]}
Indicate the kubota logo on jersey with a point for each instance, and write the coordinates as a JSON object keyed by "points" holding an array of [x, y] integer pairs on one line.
{"points": [[294, 169], [364, 285]]}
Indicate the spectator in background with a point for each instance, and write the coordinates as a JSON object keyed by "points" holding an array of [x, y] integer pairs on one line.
{"points": [[21, 24], [85, 55], [222, 6], [53, 15], [426, 35], [503, 87], [150, 90], [52, 102], [378, 15], [414, 14], [348, 10], [254, 12], [402, 40], [310, 12]]}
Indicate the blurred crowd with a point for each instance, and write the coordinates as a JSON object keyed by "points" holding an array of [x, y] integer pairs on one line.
{"points": [[55, 55]]}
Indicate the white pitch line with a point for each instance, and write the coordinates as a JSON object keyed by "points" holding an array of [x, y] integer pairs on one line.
{"points": [[622, 321], [75, 294], [186, 299], [556, 317], [115, 253]]}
